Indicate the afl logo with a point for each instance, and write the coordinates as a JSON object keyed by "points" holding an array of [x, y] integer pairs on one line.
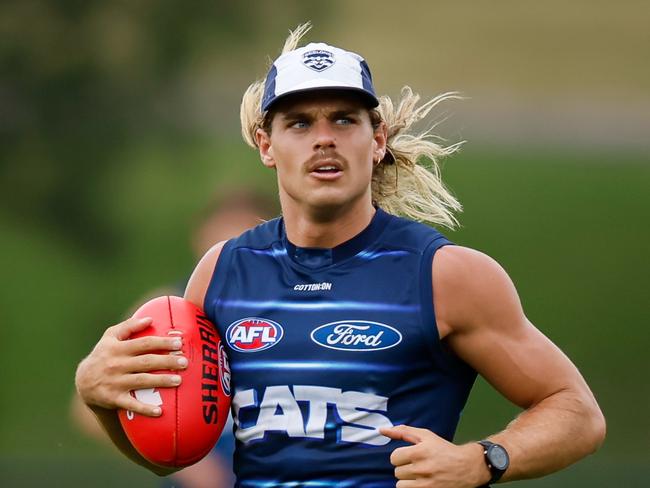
{"points": [[253, 334], [224, 368], [356, 335]]}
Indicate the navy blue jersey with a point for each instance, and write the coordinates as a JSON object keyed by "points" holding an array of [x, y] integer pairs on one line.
{"points": [[326, 346]]}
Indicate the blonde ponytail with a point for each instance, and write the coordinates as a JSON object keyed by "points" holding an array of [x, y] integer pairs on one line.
{"points": [[408, 181]]}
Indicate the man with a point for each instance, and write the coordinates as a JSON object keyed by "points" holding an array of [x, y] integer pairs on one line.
{"points": [[354, 335]]}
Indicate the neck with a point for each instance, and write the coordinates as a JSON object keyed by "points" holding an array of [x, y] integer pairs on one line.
{"points": [[326, 228]]}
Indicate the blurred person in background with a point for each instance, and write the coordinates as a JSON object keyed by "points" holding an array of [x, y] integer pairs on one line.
{"points": [[336, 396], [229, 214]]}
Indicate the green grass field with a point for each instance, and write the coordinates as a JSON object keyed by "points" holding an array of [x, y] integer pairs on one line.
{"points": [[570, 228]]}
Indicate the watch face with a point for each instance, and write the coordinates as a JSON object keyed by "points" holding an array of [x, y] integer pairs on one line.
{"points": [[498, 457]]}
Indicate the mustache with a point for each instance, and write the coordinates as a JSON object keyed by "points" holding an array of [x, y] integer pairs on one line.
{"points": [[330, 156]]}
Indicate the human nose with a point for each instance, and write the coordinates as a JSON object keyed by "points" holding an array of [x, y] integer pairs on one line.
{"points": [[323, 136]]}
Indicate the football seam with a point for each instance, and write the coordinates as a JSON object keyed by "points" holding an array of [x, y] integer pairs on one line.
{"points": [[176, 413]]}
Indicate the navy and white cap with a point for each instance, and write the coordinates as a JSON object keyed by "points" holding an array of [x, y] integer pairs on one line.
{"points": [[318, 66]]}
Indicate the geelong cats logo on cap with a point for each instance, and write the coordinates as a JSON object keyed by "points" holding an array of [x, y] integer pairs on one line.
{"points": [[318, 59]]}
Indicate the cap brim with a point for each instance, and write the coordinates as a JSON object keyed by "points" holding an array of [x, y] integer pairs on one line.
{"points": [[370, 100]]}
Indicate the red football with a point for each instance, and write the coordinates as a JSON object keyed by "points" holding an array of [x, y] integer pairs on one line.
{"points": [[194, 413]]}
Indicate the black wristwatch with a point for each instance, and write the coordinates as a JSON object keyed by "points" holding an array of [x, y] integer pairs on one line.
{"points": [[496, 458]]}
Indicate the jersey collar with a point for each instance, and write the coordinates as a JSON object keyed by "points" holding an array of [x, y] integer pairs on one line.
{"points": [[316, 257]]}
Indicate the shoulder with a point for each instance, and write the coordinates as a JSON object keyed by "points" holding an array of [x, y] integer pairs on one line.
{"points": [[458, 265], [471, 289], [484, 325], [258, 237], [202, 274], [408, 234]]}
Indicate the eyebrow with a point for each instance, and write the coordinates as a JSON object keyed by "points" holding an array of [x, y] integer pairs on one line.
{"points": [[308, 114]]}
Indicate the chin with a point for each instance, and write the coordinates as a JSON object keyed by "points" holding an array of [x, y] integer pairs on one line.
{"points": [[331, 202], [330, 197]]}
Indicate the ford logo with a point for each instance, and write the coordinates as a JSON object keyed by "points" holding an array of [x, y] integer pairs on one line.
{"points": [[356, 335]]}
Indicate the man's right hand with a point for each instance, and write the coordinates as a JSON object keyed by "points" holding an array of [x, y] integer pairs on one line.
{"points": [[117, 365]]}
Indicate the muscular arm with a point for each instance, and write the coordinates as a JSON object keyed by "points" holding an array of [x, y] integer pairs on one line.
{"points": [[480, 316]]}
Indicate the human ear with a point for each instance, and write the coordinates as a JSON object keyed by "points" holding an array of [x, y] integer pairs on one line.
{"points": [[263, 140], [380, 139]]}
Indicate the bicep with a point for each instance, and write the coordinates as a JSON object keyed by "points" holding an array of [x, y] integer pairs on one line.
{"points": [[198, 284], [489, 330], [518, 360]]}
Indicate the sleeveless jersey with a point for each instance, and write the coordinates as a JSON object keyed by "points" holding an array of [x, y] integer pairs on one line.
{"points": [[326, 346]]}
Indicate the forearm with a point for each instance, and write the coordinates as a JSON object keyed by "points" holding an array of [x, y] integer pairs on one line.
{"points": [[551, 435], [111, 424], [83, 418]]}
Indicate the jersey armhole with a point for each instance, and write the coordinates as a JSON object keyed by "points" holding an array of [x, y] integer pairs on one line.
{"points": [[442, 357], [427, 307], [217, 280]]}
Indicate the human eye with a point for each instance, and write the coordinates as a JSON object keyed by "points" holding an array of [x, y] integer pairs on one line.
{"points": [[344, 120], [298, 124]]}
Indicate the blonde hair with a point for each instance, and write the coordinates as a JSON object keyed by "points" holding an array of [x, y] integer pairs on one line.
{"points": [[408, 180]]}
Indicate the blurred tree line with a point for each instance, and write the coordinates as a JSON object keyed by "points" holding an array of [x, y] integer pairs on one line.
{"points": [[83, 81], [108, 107]]}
